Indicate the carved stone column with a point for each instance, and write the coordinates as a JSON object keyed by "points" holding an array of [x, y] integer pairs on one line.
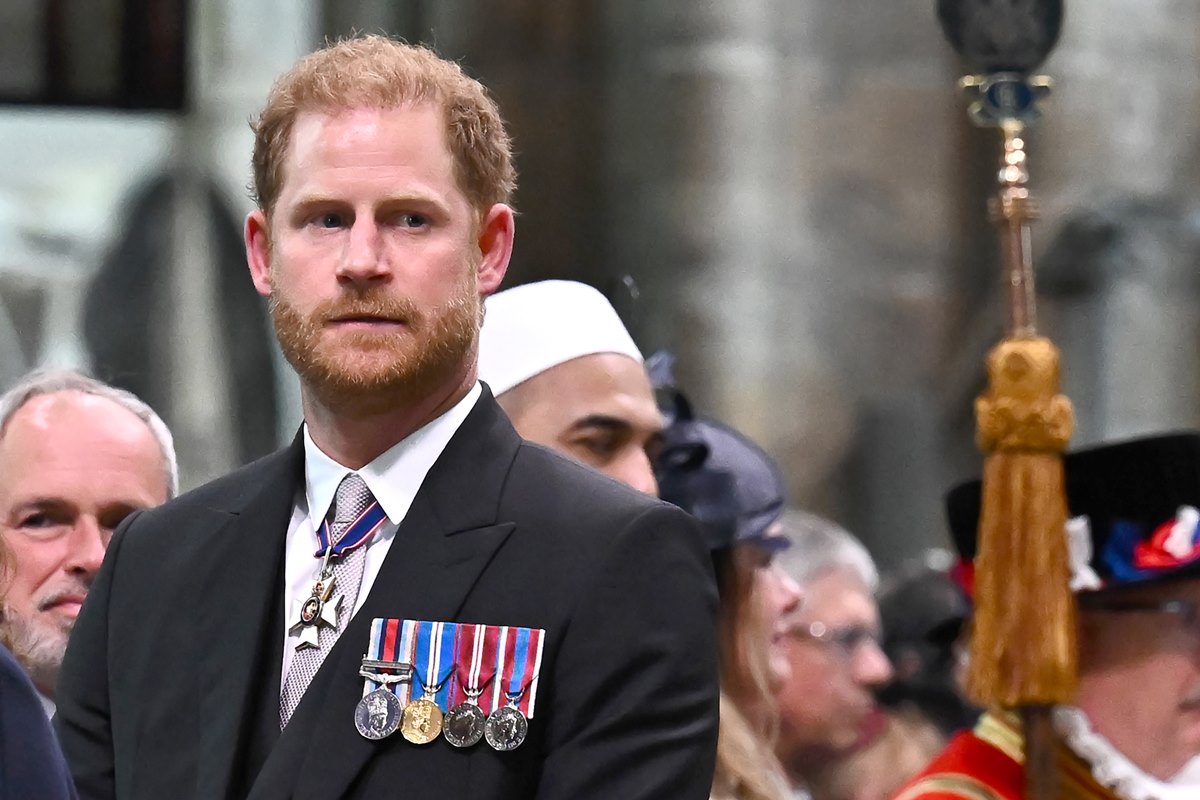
{"points": [[793, 255]]}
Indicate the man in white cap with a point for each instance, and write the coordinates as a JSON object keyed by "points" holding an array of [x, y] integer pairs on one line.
{"points": [[569, 376]]}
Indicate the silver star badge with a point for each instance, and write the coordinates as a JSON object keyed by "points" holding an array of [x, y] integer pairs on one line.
{"points": [[313, 612]]}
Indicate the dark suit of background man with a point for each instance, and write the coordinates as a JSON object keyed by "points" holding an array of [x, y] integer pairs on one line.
{"points": [[382, 175], [31, 765]]}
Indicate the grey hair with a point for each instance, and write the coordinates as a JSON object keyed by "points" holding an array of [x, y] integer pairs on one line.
{"points": [[820, 545], [49, 381]]}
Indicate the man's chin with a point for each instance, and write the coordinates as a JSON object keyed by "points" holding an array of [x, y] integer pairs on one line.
{"points": [[370, 369], [39, 646], [363, 393]]}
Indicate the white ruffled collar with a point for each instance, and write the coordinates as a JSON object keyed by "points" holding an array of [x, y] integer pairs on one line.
{"points": [[1109, 767]]}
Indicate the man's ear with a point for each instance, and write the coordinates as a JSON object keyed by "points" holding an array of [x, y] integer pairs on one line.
{"points": [[258, 250], [496, 231]]}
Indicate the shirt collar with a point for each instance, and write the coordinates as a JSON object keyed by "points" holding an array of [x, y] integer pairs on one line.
{"points": [[394, 476]]}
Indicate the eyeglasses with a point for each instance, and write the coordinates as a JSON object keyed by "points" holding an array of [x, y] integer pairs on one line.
{"points": [[847, 641]]}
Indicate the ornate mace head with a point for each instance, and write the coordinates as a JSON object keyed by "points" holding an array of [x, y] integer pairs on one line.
{"points": [[1001, 35], [1002, 41]]}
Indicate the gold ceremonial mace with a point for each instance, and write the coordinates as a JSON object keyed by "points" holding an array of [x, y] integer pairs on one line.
{"points": [[1023, 649]]}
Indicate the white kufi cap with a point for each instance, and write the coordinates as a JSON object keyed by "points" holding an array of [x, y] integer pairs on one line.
{"points": [[530, 328]]}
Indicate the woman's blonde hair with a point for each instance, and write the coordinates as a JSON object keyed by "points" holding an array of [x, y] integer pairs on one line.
{"points": [[747, 768]]}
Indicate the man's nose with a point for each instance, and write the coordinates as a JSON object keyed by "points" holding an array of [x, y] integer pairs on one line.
{"points": [[89, 540], [364, 260], [635, 471], [872, 666]]}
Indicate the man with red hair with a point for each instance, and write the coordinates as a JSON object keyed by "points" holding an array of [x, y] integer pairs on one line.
{"points": [[300, 628]]}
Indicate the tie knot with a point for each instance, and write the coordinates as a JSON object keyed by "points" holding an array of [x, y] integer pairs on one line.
{"points": [[351, 500]]}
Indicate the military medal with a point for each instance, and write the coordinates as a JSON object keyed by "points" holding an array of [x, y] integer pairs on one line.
{"points": [[463, 725], [506, 727], [387, 668], [421, 722], [468, 683], [320, 609], [316, 611], [378, 713], [521, 654]]}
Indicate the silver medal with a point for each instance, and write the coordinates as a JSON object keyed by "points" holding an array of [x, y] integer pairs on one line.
{"points": [[506, 728], [377, 715], [319, 609], [463, 725]]}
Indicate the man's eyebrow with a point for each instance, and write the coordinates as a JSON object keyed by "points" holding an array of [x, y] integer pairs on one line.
{"points": [[40, 505], [42, 502], [122, 506], [604, 421], [417, 198]]}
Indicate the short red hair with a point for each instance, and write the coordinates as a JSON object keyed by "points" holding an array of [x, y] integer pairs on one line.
{"points": [[378, 72]]}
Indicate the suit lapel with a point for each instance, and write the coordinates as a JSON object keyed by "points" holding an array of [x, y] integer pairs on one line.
{"points": [[238, 644], [444, 543]]}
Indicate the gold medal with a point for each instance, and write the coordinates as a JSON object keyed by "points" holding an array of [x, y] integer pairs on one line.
{"points": [[421, 722]]}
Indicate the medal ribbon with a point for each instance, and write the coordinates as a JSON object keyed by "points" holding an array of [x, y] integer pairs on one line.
{"points": [[407, 653], [434, 660], [476, 648], [519, 662], [452, 658], [361, 530], [537, 639], [385, 646]]}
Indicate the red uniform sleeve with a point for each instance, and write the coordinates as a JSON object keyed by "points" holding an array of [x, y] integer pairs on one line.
{"points": [[968, 769]]}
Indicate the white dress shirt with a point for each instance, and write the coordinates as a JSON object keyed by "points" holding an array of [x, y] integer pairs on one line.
{"points": [[393, 478]]}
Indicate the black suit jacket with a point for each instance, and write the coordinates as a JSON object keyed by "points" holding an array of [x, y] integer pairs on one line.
{"points": [[31, 765], [170, 687]]}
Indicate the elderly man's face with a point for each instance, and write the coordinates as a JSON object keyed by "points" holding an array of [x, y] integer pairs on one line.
{"points": [[72, 466], [1140, 674], [828, 701], [597, 409]]}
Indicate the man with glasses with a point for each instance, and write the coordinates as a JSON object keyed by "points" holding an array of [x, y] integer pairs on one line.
{"points": [[827, 705], [1134, 729]]}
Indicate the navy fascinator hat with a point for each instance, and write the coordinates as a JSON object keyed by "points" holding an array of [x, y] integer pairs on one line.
{"points": [[720, 477]]}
